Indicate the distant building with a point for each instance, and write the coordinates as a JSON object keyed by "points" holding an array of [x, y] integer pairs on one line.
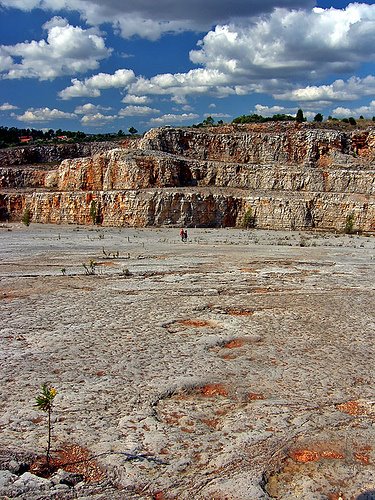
{"points": [[26, 138], [62, 137]]}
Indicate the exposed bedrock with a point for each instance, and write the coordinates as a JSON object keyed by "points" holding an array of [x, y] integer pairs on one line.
{"points": [[123, 169], [281, 176], [207, 207], [286, 144], [29, 155]]}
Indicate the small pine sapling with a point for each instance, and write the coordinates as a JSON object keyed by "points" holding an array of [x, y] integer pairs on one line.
{"points": [[44, 401]]}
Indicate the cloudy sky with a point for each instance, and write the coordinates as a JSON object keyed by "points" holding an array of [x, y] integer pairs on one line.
{"points": [[105, 65]]}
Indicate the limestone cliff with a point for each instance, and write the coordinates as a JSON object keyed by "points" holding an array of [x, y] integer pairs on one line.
{"points": [[285, 176]]}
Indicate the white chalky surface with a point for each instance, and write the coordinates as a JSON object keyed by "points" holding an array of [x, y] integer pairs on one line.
{"points": [[130, 354]]}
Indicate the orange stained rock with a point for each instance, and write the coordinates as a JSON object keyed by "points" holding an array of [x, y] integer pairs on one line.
{"points": [[363, 457], [211, 422], [72, 458], [352, 407], [253, 396], [210, 390], [306, 455], [195, 323], [233, 344]]}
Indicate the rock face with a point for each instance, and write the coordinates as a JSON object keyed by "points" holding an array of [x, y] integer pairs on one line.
{"points": [[281, 176], [54, 153]]}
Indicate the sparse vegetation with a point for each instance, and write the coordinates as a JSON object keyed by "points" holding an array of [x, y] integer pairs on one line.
{"points": [[26, 217], [349, 223], [44, 402], [111, 255], [95, 212], [254, 118], [90, 268], [248, 219]]}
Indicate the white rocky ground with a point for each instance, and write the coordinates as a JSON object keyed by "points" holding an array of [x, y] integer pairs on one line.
{"points": [[238, 365]]}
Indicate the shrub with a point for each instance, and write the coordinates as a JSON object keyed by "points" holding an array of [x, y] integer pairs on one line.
{"points": [[248, 219], [26, 217], [90, 267], [349, 223]]}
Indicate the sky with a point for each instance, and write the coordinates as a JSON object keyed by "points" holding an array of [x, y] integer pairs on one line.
{"points": [[108, 65]]}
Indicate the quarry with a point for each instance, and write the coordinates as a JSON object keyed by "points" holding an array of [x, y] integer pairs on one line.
{"points": [[236, 365]]}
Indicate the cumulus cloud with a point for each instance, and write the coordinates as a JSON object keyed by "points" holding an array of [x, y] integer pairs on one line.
{"points": [[7, 107], [136, 99], [339, 90], [92, 86], [43, 115], [97, 119], [260, 56], [67, 50], [308, 44], [366, 111], [218, 115], [137, 111], [89, 109], [180, 85], [173, 118], [151, 19]]}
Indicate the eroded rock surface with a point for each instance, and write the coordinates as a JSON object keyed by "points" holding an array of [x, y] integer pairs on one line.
{"points": [[236, 365]]}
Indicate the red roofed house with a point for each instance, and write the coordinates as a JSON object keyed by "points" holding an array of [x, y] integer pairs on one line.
{"points": [[26, 138]]}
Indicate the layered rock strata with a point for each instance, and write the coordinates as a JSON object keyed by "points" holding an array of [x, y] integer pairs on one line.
{"points": [[281, 177]]}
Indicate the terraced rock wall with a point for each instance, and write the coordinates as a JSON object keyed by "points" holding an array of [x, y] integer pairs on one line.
{"points": [[283, 177]]}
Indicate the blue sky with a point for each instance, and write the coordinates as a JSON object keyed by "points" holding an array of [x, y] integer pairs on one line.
{"points": [[105, 65]]}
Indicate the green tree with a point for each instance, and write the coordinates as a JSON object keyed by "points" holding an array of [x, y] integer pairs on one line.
{"points": [[352, 121], [44, 401], [132, 130], [209, 121], [318, 117], [299, 116]]}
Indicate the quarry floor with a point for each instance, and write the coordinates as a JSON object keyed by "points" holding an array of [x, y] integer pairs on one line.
{"points": [[238, 365]]}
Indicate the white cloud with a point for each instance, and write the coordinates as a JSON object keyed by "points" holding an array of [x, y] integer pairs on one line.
{"points": [[365, 111], [7, 107], [218, 115], [97, 119], [89, 109], [179, 85], [137, 111], [92, 86], [273, 110], [151, 19], [339, 90], [43, 115], [305, 44], [136, 99], [265, 54], [67, 50], [172, 118], [264, 110]]}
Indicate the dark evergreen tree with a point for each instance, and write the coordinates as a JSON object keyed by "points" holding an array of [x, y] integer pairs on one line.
{"points": [[299, 116]]}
